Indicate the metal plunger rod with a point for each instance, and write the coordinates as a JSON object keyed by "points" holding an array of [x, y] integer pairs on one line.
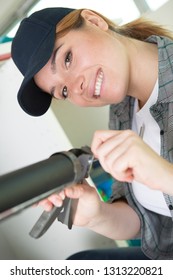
{"points": [[37, 181]]}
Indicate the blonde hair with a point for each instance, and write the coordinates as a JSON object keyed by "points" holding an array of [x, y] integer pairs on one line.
{"points": [[139, 29]]}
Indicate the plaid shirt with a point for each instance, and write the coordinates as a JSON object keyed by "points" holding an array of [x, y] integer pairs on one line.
{"points": [[156, 229]]}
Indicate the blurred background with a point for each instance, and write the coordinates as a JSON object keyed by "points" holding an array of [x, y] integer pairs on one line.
{"points": [[25, 140]]}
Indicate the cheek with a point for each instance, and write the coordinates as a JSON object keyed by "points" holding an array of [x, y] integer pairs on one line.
{"points": [[78, 101], [119, 75], [90, 53]]}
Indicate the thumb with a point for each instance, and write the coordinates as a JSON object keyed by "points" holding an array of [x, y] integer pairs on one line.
{"points": [[74, 191]]}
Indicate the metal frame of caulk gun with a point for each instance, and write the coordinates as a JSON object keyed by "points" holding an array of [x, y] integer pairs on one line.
{"points": [[26, 186]]}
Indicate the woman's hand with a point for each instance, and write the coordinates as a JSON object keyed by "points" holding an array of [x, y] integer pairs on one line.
{"points": [[127, 157], [117, 220], [88, 204]]}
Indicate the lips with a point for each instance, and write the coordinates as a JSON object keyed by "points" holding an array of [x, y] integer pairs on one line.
{"points": [[98, 83]]}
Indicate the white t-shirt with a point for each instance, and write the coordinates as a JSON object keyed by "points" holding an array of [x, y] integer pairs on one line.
{"points": [[148, 198]]}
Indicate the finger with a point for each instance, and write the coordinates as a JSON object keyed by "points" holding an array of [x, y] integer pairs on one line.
{"points": [[54, 196], [46, 204], [74, 192], [57, 199], [105, 141], [100, 137], [125, 176], [114, 148], [121, 167]]}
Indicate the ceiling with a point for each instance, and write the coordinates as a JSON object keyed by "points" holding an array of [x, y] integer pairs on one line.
{"points": [[11, 11]]}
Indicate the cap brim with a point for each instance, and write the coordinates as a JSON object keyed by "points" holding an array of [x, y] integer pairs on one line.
{"points": [[32, 99]]}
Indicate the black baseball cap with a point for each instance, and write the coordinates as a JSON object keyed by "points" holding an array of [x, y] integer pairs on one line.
{"points": [[32, 47]]}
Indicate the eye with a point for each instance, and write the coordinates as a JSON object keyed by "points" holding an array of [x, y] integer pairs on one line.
{"points": [[64, 92], [68, 59]]}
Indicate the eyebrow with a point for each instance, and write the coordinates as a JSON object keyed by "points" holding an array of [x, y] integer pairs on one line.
{"points": [[53, 59], [53, 67]]}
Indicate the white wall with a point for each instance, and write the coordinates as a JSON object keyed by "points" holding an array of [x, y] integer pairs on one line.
{"points": [[80, 123], [163, 15]]}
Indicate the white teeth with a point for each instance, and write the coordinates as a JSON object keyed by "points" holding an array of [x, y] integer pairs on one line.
{"points": [[98, 84]]}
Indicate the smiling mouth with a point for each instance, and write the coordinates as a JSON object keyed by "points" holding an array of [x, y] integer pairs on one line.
{"points": [[98, 83]]}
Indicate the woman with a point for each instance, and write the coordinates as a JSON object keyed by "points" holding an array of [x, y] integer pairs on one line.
{"points": [[81, 56]]}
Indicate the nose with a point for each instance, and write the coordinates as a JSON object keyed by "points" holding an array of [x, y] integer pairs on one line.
{"points": [[75, 85]]}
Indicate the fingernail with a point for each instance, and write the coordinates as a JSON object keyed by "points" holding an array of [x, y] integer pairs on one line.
{"points": [[58, 203]]}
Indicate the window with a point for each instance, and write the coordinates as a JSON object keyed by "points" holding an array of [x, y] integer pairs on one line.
{"points": [[155, 4]]}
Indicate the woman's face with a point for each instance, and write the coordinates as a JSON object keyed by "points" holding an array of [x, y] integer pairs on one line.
{"points": [[89, 67]]}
